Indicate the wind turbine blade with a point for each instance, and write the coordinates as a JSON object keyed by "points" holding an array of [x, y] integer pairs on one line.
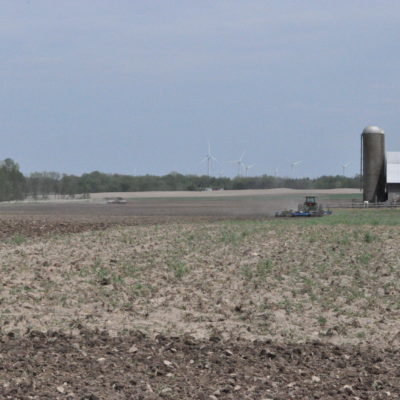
{"points": [[241, 157], [209, 148]]}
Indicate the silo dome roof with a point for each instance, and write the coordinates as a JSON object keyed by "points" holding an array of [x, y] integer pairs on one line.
{"points": [[373, 129]]}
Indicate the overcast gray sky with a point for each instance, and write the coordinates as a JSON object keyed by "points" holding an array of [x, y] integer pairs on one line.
{"points": [[140, 86]]}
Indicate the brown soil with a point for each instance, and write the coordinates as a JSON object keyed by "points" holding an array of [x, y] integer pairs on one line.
{"points": [[223, 207], [225, 204], [76, 325], [41, 219], [32, 226], [96, 366]]}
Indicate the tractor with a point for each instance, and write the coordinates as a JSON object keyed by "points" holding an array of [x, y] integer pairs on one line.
{"points": [[310, 205], [310, 208]]}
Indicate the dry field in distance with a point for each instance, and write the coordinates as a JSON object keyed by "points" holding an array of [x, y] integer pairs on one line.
{"points": [[189, 298]]}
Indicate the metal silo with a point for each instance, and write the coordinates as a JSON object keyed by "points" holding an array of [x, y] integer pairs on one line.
{"points": [[373, 164]]}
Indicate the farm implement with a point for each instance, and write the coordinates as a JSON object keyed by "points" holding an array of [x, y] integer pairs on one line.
{"points": [[310, 208]]}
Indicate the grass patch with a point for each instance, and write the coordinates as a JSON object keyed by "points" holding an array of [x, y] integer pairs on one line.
{"points": [[178, 268], [18, 239], [258, 271], [356, 217], [369, 237]]}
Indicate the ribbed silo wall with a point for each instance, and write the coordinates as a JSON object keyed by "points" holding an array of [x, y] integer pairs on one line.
{"points": [[374, 167]]}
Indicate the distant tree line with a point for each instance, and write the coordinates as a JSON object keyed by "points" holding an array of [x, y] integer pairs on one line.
{"points": [[12, 182], [15, 186], [44, 184]]}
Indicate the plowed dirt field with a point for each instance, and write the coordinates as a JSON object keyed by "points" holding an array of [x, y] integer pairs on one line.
{"points": [[95, 366], [100, 302]]}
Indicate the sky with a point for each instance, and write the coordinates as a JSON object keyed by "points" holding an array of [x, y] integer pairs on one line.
{"points": [[141, 87]]}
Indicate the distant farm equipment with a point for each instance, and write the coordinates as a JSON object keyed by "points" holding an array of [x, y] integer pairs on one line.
{"points": [[310, 208], [116, 200]]}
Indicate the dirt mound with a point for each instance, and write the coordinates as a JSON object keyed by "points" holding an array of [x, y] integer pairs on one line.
{"points": [[94, 365]]}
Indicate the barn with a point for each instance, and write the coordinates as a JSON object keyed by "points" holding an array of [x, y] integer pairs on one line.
{"points": [[393, 176]]}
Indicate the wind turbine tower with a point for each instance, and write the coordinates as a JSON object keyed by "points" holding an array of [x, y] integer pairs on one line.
{"points": [[294, 164], [344, 166], [209, 158], [239, 163], [247, 167]]}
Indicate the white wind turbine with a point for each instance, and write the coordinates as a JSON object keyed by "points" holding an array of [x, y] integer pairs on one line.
{"points": [[209, 158], [239, 163], [344, 166], [294, 164], [247, 167]]}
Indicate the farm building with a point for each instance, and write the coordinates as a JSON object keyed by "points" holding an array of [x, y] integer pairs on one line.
{"points": [[380, 170], [373, 169], [393, 176]]}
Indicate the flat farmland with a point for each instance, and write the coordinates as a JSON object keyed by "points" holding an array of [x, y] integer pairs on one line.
{"points": [[149, 300], [218, 204]]}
